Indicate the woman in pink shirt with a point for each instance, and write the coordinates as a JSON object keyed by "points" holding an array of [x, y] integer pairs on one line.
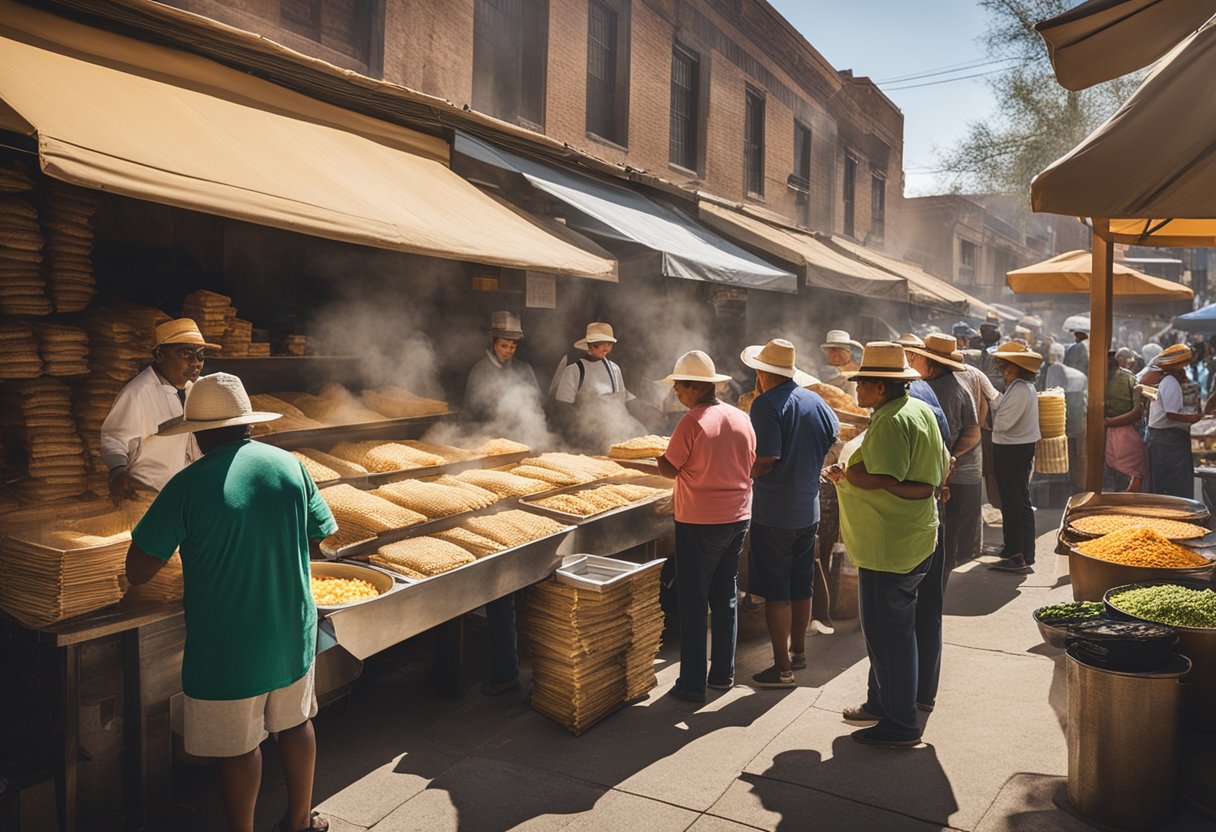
{"points": [[710, 457]]}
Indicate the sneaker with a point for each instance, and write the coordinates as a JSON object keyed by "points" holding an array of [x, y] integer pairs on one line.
{"points": [[798, 661], [882, 736], [497, 687], [1017, 566], [774, 678], [687, 695], [820, 627], [858, 713], [727, 685]]}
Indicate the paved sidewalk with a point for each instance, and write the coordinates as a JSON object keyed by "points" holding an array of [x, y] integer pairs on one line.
{"points": [[395, 758]]}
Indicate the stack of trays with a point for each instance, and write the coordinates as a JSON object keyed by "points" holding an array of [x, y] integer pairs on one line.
{"points": [[51, 576], [1051, 455], [237, 338], [64, 350], [22, 286], [1051, 413], [67, 222], [211, 311], [592, 652], [19, 356], [39, 412]]}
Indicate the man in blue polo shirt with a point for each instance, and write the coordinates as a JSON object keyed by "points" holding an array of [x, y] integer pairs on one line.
{"points": [[794, 430]]}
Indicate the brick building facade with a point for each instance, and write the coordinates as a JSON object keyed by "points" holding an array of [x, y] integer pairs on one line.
{"points": [[723, 96]]}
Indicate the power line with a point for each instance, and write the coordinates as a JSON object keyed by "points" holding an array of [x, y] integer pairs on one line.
{"points": [[943, 81], [929, 73]]}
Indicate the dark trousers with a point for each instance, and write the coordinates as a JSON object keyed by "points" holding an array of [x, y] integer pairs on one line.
{"points": [[1012, 465], [828, 534], [707, 569], [888, 621], [1170, 462], [500, 636], [930, 601], [961, 521]]}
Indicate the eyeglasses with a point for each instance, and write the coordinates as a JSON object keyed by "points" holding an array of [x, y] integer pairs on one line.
{"points": [[188, 354]]}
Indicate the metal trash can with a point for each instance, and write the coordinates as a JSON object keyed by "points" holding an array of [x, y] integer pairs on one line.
{"points": [[1123, 733]]}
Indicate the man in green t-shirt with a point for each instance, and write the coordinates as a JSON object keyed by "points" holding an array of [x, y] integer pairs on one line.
{"points": [[243, 517]]}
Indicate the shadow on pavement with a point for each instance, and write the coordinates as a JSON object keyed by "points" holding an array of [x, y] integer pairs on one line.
{"points": [[979, 591]]}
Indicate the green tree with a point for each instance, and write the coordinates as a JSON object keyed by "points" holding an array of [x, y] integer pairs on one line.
{"points": [[1036, 121]]}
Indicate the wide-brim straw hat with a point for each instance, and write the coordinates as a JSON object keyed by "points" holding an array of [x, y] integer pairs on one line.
{"points": [[776, 357], [1173, 356], [909, 339], [1019, 354], [696, 366], [216, 401], [886, 360], [838, 339], [181, 331], [804, 379], [597, 333], [506, 325], [941, 348]]}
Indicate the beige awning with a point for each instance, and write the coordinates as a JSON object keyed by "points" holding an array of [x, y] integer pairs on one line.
{"points": [[154, 123], [1155, 157], [923, 288], [1069, 274], [1103, 39], [825, 267]]}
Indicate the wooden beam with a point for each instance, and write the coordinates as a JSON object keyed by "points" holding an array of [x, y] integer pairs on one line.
{"points": [[1101, 287]]}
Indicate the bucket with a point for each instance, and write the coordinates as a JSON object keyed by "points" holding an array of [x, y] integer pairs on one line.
{"points": [[1123, 731]]}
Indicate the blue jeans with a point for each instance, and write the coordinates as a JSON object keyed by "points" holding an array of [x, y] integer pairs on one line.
{"points": [[500, 636], [707, 569], [930, 601], [1170, 462], [888, 621]]}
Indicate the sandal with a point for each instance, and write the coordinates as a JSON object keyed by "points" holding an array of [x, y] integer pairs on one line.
{"points": [[317, 822]]}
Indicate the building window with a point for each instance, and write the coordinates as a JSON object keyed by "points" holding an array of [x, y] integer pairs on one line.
{"points": [[341, 25], [800, 181], [607, 70], [510, 51], [753, 144], [878, 207], [685, 120], [967, 253], [849, 194]]}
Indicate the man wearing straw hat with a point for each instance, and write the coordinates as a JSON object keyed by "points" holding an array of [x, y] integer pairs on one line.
{"points": [[795, 429], [1170, 418], [243, 516], [888, 516], [594, 387], [500, 384], [710, 456], [135, 456], [838, 348]]}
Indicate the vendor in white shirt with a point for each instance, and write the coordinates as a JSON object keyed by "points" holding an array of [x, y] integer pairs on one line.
{"points": [[1170, 417], [595, 389], [134, 455]]}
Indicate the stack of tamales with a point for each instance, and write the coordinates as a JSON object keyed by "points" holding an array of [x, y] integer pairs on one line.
{"points": [[121, 336], [399, 403], [211, 311], [51, 576], [38, 414], [237, 338], [591, 652], [67, 221], [64, 350], [22, 286]]}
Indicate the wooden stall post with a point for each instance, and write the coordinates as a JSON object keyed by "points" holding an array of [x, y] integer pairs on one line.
{"points": [[1101, 289]]}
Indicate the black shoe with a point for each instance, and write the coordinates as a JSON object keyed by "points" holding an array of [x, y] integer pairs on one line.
{"points": [[727, 685], [881, 736], [858, 713], [774, 678], [686, 695], [1017, 566]]}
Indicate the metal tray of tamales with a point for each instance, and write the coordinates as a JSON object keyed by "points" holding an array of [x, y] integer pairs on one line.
{"points": [[654, 481], [417, 606], [496, 461], [412, 427], [363, 548]]}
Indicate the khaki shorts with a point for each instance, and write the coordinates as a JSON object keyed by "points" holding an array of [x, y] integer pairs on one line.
{"points": [[232, 727]]}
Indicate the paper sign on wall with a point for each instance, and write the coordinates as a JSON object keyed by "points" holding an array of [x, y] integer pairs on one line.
{"points": [[541, 291]]}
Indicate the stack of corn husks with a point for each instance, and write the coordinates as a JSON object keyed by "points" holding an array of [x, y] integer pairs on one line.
{"points": [[38, 414], [50, 576], [67, 221], [212, 312], [64, 350], [22, 286], [591, 652], [19, 356]]}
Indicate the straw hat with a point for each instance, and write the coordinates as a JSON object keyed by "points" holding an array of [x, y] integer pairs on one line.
{"points": [[1173, 356], [804, 379], [909, 339], [838, 339], [940, 348], [776, 357], [695, 366], [596, 333], [216, 401], [1019, 354], [181, 331], [884, 359], [506, 325]]}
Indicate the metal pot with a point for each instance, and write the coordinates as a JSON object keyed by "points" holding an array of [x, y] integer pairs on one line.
{"points": [[1093, 577], [382, 581]]}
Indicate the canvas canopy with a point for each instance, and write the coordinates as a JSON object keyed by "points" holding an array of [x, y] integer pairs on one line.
{"points": [[1069, 274], [1201, 321], [1103, 39], [154, 123]]}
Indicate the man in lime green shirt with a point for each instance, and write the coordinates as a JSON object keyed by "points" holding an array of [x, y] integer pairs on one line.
{"points": [[888, 518], [243, 518]]}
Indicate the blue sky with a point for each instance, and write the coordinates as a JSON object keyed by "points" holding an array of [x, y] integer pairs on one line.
{"points": [[892, 39]]}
